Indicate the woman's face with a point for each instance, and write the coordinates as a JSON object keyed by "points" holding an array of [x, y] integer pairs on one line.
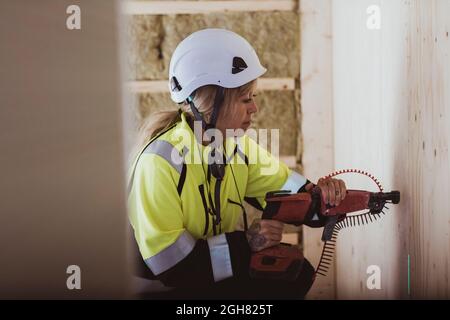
{"points": [[241, 115]]}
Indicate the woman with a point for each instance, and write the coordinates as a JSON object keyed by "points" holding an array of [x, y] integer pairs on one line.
{"points": [[190, 178]]}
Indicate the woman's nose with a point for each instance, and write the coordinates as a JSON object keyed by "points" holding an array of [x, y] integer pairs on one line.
{"points": [[253, 108]]}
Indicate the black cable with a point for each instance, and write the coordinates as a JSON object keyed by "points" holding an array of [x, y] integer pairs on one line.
{"points": [[244, 213], [218, 100]]}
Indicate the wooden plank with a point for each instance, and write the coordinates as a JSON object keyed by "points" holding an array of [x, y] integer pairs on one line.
{"points": [[148, 86], [290, 161], [365, 119], [276, 84], [290, 237], [162, 85], [397, 124], [427, 135], [194, 7], [317, 119]]}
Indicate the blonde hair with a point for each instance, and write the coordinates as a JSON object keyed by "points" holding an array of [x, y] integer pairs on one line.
{"points": [[203, 100]]}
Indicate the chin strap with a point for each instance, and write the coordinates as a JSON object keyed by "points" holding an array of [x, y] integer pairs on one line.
{"points": [[218, 101], [217, 169]]}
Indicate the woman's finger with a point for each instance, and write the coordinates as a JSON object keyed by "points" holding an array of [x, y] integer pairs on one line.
{"points": [[274, 237], [269, 229], [343, 189], [272, 223], [309, 186], [337, 192], [322, 183], [332, 192]]}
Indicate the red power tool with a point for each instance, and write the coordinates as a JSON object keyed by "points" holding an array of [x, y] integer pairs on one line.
{"points": [[308, 208]]}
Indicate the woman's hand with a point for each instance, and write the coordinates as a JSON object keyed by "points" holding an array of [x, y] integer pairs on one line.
{"points": [[263, 234], [333, 190]]}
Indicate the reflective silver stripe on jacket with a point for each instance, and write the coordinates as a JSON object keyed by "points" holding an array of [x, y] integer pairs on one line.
{"points": [[220, 257], [171, 255], [294, 182], [167, 151]]}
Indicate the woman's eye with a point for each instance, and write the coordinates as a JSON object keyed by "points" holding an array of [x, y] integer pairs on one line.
{"points": [[249, 100]]}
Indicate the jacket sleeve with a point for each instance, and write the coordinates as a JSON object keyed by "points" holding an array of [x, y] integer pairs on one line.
{"points": [[166, 248], [197, 269], [266, 173]]}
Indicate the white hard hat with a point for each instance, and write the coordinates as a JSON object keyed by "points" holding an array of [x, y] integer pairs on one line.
{"points": [[212, 57]]}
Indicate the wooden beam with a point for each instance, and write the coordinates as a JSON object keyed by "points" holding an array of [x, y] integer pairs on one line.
{"points": [[193, 7], [264, 84], [290, 161], [276, 84], [316, 81], [397, 124], [151, 86], [290, 237]]}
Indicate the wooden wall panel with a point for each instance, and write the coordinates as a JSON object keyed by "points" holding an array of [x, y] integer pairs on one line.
{"points": [[428, 128], [316, 118], [391, 109]]}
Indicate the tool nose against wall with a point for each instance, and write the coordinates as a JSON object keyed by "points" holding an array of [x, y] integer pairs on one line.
{"points": [[393, 196]]}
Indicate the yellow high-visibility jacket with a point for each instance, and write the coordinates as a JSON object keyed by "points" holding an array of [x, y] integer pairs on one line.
{"points": [[171, 204]]}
